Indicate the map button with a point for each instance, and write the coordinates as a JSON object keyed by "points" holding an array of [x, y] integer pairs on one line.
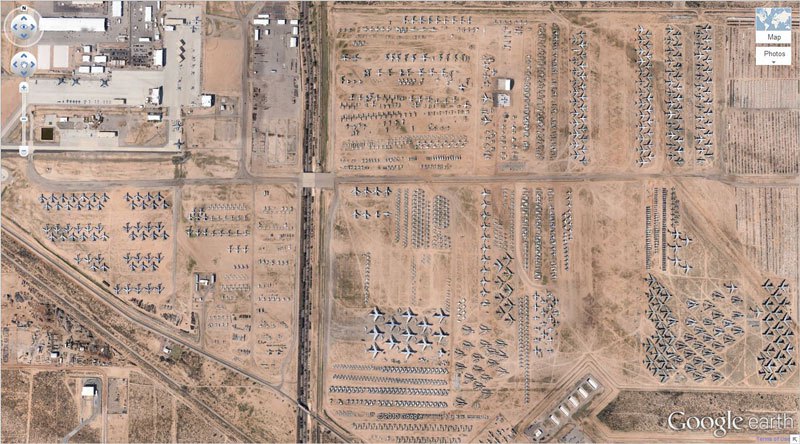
{"points": [[774, 25]]}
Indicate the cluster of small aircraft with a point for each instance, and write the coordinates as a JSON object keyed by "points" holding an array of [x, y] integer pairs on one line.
{"points": [[154, 201], [545, 316], [73, 201], [139, 262], [95, 263], [75, 233], [147, 231]]}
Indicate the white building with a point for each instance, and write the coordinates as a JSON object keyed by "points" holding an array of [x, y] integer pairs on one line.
{"points": [[504, 84], [159, 57], [156, 95], [116, 8], [207, 100], [73, 24], [89, 391]]}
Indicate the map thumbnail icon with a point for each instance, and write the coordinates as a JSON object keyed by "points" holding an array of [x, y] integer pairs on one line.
{"points": [[773, 19], [774, 25]]}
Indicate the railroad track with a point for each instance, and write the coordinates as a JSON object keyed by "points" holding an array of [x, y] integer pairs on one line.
{"points": [[149, 325], [77, 313]]}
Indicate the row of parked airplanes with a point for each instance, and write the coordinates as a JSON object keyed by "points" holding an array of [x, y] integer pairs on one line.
{"points": [[138, 289], [77, 81], [367, 191]]}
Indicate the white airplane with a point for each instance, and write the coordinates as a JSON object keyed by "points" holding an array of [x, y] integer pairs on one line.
{"points": [[485, 98], [408, 333], [375, 332], [356, 214], [687, 240], [424, 324], [686, 267], [392, 323], [356, 191], [375, 313], [374, 350], [408, 314], [408, 351], [441, 315], [676, 234], [392, 342], [425, 343], [441, 335]]}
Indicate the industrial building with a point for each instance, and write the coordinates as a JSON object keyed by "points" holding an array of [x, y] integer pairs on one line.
{"points": [[73, 24]]}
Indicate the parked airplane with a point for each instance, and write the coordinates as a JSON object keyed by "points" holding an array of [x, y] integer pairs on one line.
{"points": [[375, 332], [424, 324], [408, 314], [441, 335], [374, 350], [392, 342], [375, 313], [408, 333], [425, 343], [392, 323], [408, 351]]}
